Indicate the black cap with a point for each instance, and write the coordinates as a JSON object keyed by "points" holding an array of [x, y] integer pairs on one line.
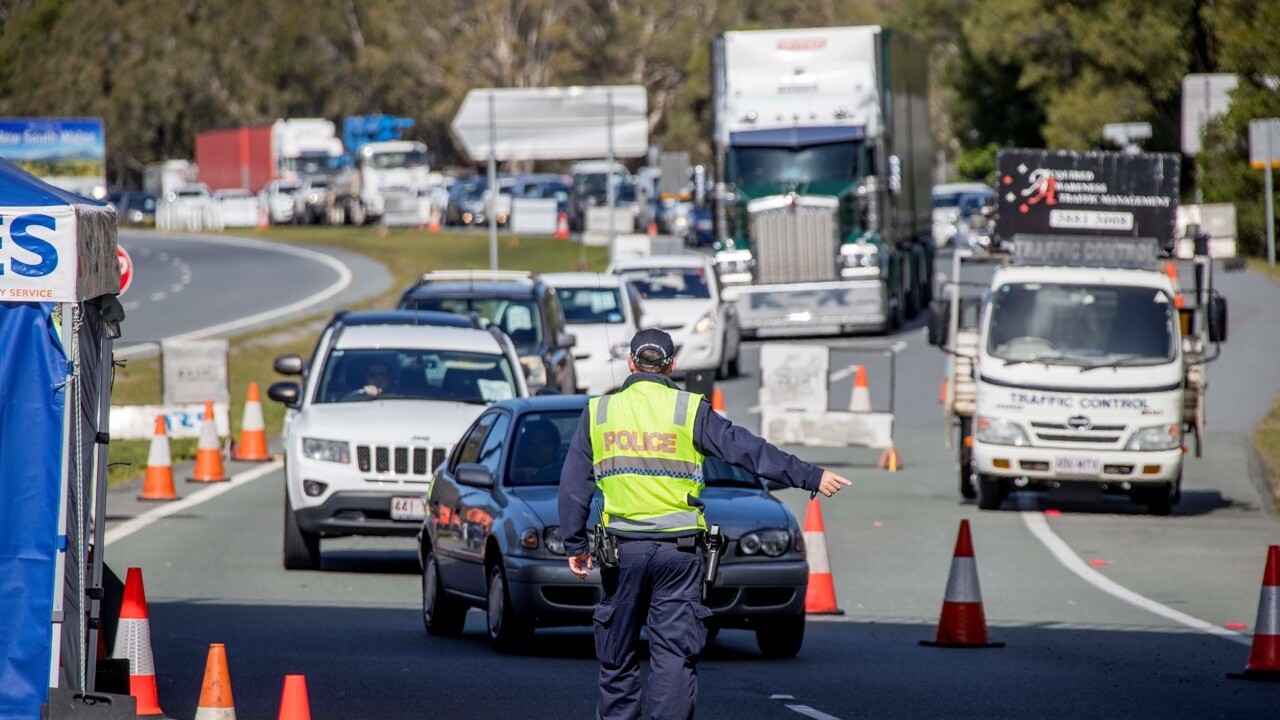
{"points": [[653, 339]]}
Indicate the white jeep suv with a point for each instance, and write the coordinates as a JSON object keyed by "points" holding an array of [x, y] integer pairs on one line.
{"points": [[383, 399]]}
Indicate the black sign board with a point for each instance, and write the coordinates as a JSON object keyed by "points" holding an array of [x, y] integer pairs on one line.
{"points": [[1059, 192]]}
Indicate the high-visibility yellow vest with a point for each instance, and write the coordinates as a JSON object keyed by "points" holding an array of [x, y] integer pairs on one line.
{"points": [[645, 462]]}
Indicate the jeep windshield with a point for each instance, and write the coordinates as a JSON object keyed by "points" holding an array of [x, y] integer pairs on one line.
{"points": [[1081, 325], [519, 319], [360, 375]]}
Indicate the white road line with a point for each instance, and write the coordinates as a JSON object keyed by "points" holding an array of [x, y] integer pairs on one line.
{"points": [[810, 712], [344, 280], [129, 527], [1039, 527]]}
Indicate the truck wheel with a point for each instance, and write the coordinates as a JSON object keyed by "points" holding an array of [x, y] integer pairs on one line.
{"points": [[781, 636], [442, 615], [1177, 490], [967, 490], [301, 548], [356, 213], [899, 311], [990, 492]]}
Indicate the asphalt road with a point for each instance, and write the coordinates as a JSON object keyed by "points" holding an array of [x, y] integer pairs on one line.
{"points": [[203, 286], [1106, 612]]}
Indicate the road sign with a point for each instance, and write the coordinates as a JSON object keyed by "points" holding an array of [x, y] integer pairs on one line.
{"points": [[1264, 152], [126, 268], [556, 123], [1204, 97]]}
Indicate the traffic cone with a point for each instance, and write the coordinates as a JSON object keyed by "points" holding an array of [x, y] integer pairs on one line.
{"points": [[820, 597], [890, 460], [293, 703], [252, 446], [208, 452], [158, 484], [1264, 656], [652, 229], [264, 220], [562, 226], [1171, 269], [860, 400], [717, 401], [133, 642], [215, 694], [433, 225], [942, 391], [963, 623]]}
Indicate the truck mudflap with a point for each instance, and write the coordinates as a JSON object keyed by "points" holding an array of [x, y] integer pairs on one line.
{"points": [[811, 307]]}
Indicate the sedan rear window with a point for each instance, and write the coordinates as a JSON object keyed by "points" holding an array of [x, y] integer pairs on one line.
{"points": [[414, 374], [591, 306]]}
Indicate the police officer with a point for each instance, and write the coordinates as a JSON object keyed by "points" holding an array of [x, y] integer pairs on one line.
{"points": [[644, 448]]}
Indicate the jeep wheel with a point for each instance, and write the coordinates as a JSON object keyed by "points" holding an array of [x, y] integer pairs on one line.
{"points": [[301, 548]]}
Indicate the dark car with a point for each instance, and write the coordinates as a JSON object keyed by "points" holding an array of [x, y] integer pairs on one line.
{"points": [[134, 207], [520, 303], [466, 202], [491, 538]]}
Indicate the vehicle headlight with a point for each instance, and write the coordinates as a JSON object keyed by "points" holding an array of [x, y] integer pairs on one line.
{"points": [[551, 538], [534, 371], [706, 323], [999, 431], [682, 221], [327, 450], [1156, 437], [859, 260], [735, 266], [314, 198], [772, 543], [619, 351]]}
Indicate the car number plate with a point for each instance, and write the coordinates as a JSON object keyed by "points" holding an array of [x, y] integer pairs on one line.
{"points": [[1077, 466], [408, 508]]}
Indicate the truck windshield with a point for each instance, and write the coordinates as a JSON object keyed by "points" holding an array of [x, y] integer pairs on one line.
{"points": [[394, 160], [760, 165], [1082, 325]]}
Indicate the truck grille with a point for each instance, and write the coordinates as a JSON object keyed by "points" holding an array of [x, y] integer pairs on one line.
{"points": [[1062, 434], [794, 238], [412, 462], [400, 202]]}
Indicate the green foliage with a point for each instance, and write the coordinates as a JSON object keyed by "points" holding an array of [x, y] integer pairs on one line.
{"points": [[978, 164]]}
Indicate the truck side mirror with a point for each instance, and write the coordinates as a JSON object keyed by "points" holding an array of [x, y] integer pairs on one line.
{"points": [[939, 322], [1217, 319]]}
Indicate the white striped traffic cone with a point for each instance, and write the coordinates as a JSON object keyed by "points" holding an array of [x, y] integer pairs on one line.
{"points": [[860, 400], [158, 484], [253, 431], [208, 451], [133, 642], [963, 623], [820, 597], [215, 694], [1264, 655]]}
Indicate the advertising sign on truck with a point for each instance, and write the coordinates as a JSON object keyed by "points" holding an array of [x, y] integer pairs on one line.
{"points": [[69, 153]]}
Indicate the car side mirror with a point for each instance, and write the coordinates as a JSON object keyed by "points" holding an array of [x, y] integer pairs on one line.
{"points": [[1217, 319], [939, 322], [288, 365], [473, 475], [566, 340], [287, 393]]}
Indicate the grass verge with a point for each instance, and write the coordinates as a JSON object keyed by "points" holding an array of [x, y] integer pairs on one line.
{"points": [[406, 254], [1266, 437]]}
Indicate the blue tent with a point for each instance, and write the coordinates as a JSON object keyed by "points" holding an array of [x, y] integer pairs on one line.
{"points": [[58, 312]]}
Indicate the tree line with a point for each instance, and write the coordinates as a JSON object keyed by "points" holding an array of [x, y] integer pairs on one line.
{"points": [[1035, 73]]}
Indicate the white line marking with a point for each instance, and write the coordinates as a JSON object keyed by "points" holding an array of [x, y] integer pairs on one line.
{"points": [[157, 296], [842, 373], [1039, 527], [129, 527], [810, 712], [344, 280], [782, 697]]}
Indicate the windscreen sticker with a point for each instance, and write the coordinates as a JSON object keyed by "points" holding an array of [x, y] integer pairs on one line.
{"points": [[1161, 299], [495, 390]]}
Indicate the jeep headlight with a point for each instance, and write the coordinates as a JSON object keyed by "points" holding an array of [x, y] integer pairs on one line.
{"points": [[706, 323], [859, 260], [534, 371], [765, 542], [999, 431], [328, 450], [1156, 437], [734, 266]]}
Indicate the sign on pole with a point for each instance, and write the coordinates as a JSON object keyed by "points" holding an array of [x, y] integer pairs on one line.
{"points": [[126, 268], [193, 371], [1264, 152], [1204, 97]]}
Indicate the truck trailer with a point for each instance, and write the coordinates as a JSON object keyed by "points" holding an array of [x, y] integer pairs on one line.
{"points": [[823, 156], [249, 157], [1079, 366]]}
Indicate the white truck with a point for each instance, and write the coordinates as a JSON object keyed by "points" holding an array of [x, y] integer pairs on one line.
{"points": [[1080, 365], [823, 156], [389, 182]]}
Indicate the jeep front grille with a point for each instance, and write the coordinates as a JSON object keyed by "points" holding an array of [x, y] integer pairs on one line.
{"points": [[392, 460], [794, 238]]}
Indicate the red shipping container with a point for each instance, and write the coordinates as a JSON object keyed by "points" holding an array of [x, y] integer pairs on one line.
{"points": [[236, 158]]}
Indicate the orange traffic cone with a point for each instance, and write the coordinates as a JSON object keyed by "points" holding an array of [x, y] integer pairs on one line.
{"points": [[820, 598], [890, 460], [253, 431], [652, 229], [1264, 656], [159, 481], [717, 400], [133, 642], [264, 220], [208, 452], [963, 623], [942, 392], [215, 694], [293, 703], [562, 226], [860, 400], [433, 225], [1171, 269]]}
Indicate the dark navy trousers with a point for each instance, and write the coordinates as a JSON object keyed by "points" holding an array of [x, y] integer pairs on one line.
{"points": [[657, 585]]}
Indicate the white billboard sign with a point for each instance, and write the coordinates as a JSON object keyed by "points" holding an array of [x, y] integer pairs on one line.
{"points": [[1264, 142], [557, 123], [1204, 97], [194, 371]]}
